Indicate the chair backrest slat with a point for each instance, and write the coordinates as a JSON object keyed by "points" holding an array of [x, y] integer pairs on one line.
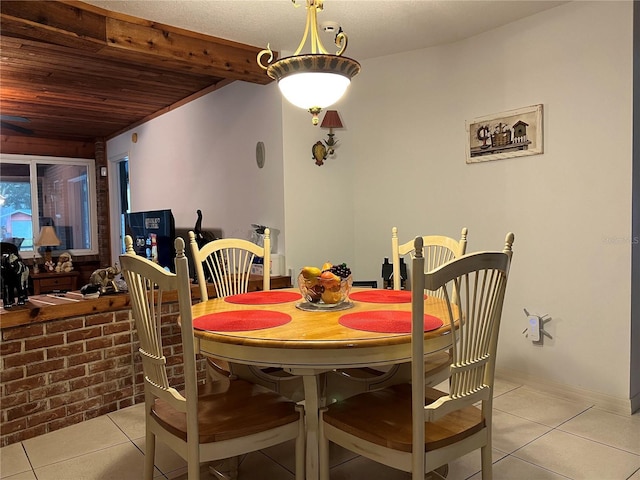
{"points": [[227, 264]]}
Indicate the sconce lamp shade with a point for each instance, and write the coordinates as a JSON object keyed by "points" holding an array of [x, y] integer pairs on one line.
{"points": [[331, 120], [47, 237]]}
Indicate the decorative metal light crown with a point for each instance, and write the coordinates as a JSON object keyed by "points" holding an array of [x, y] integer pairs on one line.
{"points": [[317, 80]]}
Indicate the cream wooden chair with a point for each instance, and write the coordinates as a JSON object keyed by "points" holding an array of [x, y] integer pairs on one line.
{"points": [[201, 423], [408, 429], [437, 250], [227, 262]]}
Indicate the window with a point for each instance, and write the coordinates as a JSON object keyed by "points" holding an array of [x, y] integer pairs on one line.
{"points": [[39, 191]]}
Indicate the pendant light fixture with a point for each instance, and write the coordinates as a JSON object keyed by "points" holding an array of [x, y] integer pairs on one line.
{"points": [[316, 80]]}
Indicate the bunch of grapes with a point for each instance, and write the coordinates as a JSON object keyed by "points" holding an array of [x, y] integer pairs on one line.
{"points": [[341, 270]]}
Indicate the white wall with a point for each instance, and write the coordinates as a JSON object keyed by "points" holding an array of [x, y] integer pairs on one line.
{"points": [[570, 208], [401, 162], [203, 156]]}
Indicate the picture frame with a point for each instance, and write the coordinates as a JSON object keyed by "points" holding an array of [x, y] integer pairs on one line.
{"points": [[513, 133]]}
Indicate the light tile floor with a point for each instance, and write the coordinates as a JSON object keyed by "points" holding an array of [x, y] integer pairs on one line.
{"points": [[536, 437]]}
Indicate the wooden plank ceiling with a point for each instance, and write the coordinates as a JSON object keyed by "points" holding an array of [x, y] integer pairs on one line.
{"points": [[78, 72]]}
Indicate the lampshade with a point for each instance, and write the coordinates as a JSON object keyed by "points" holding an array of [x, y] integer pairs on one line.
{"points": [[47, 237], [317, 80], [331, 120]]}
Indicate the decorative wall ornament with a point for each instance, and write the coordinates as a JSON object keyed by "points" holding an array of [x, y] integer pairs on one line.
{"points": [[514, 133]]}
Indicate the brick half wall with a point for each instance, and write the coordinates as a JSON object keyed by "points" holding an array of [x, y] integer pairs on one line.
{"points": [[61, 372]]}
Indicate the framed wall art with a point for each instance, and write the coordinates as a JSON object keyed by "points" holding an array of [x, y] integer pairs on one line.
{"points": [[514, 133]]}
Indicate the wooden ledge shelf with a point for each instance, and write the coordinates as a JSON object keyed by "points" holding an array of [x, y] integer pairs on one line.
{"points": [[42, 308]]}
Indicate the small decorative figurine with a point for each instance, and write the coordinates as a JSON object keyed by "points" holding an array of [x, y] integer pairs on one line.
{"points": [[105, 279], [65, 264], [15, 278]]}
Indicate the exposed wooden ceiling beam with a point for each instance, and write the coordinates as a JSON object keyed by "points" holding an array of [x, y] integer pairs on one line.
{"points": [[121, 37]]}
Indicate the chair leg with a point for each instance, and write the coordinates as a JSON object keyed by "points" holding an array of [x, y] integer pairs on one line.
{"points": [[487, 466], [150, 455], [300, 447]]}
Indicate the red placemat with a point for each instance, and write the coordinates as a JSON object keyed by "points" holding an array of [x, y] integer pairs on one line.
{"points": [[386, 321], [263, 298], [382, 296], [241, 320]]}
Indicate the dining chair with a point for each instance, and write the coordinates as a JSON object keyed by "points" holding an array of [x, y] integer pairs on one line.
{"points": [[227, 263], [419, 430], [437, 250], [201, 423]]}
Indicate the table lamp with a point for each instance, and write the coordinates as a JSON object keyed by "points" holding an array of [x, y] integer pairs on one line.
{"points": [[47, 238]]}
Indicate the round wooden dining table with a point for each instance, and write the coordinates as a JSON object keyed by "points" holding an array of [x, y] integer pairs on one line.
{"points": [[278, 328]]}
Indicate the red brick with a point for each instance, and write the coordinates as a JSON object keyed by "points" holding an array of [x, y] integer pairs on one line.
{"points": [[124, 403], [122, 316], [65, 325], [46, 416], [115, 328], [122, 339], [24, 331], [102, 366], [42, 342], [26, 409], [11, 374], [7, 348], [84, 358], [103, 388], [13, 400], [86, 381], [65, 350], [118, 394], [123, 361], [25, 384], [15, 426], [125, 382], [24, 434], [20, 359], [82, 407], [112, 407], [47, 366], [98, 343], [67, 399], [48, 391], [73, 372], [124, 372], [77, 335], [98, 319], [66, 421], [118, 351]]}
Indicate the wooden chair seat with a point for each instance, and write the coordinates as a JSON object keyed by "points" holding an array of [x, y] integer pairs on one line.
{"points": [[383, 417], [239, 410]]}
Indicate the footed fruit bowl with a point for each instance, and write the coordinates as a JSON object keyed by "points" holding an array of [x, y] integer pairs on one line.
{"points": [[328, 286]]}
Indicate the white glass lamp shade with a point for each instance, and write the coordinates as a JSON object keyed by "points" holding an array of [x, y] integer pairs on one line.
{"points": [[313, 89], [314, 81]]}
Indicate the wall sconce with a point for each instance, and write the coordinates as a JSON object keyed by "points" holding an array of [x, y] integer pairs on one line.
{"points": [[331, 120]]}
